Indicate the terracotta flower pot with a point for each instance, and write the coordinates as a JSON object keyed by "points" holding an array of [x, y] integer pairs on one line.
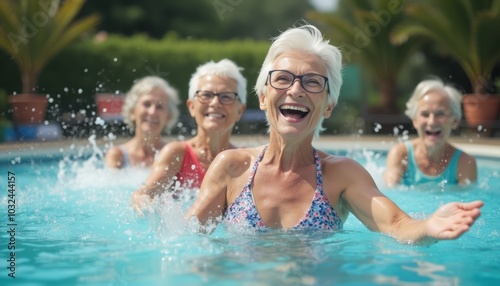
{"points": [[28, 108], [481, 109], [109, 105]]}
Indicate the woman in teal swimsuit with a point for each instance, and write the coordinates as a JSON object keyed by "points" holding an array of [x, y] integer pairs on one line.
{"points": [[287, 183], [435, 110]]}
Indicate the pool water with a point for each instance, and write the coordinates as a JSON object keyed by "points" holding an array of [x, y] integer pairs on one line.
{"points": [[74, 226]]}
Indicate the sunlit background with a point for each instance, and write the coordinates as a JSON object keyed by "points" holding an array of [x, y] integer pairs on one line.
{"points": [[388, 47]]}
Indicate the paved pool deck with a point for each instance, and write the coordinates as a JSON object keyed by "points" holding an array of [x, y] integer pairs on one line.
{"points": [[488, 147]]}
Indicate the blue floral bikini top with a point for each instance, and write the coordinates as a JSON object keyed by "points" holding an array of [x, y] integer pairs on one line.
{"points": [[321, 215]]}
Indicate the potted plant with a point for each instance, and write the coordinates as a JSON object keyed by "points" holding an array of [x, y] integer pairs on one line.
{"points": [[467, 31], [32, 32]]}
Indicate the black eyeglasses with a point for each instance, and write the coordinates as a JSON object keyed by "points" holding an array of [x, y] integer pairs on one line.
{"points": [[224, 97], [311, 82]]}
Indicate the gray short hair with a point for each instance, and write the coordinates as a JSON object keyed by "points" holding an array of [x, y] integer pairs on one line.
{"points": [[308, 39], [144, 86], [426, 86], [223, 68]]}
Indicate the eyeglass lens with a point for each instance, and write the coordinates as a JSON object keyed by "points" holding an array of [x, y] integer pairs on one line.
{"points": [[224, 97], [281, 79]]}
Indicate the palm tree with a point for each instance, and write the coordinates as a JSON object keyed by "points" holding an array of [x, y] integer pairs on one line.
{"points": [[34, 31], [467, 30], [363, 35]]}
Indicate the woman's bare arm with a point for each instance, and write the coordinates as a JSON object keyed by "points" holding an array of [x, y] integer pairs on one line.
{"points": [[395, 165], [467, 169], [163, 172], [223, 182], [380, 214], [211, 201]]}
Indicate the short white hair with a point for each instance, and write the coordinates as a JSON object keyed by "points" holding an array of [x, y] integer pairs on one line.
{"points": [[223, 68], [146, 85], [306, 38], [426, 86]]}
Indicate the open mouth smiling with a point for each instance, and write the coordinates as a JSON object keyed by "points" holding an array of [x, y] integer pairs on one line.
{"points": [[292, 111], [214, 115], [433, 133], [151, 121]]}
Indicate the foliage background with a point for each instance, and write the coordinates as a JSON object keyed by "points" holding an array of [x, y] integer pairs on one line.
{"points": [[171, 38]]}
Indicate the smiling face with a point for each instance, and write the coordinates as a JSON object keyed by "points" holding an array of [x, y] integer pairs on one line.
{"points": [[150, 113], [294, 110], [434, 121], [215, 116]]}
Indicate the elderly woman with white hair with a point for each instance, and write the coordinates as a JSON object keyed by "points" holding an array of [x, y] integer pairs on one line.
{"points": [[217, 100], [150, 108], [289, 184], [435, 110]]}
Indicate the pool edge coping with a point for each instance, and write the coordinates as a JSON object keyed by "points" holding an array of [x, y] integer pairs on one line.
{"points": [[485, 147]]}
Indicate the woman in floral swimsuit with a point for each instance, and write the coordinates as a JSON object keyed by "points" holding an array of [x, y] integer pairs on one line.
{"points": [[320, 215], [294, 185]]}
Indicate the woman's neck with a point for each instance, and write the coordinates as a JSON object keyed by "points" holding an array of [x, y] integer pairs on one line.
{"points": [[147, 144], [209, 146]]}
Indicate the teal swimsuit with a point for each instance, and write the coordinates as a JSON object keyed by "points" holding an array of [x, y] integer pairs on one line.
{"points": [[321, 214], [413, 175]]}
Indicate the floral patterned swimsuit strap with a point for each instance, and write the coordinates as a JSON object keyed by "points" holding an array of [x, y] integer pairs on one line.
{"points": [[320, 215], [243, 211]]}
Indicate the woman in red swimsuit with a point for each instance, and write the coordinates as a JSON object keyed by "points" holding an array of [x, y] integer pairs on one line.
{"points": [[217, 99]]}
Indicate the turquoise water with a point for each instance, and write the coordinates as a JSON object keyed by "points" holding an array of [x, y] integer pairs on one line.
{"points": [[75, 227]]}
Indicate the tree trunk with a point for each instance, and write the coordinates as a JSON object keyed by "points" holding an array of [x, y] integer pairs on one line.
{"points": [[387, 88], [30, 80]]}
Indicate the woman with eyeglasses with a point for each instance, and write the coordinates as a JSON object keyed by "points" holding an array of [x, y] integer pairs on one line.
{"points": [[217, 99], [289, 184]]}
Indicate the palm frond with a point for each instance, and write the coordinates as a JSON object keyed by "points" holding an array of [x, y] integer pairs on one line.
{"points": [[466, 30], [33, 32]]}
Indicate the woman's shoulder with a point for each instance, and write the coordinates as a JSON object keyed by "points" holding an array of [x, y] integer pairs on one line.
{"points": [[338, 164], [342, 171], [399, 150], [171, 149], [114, 157], [115, 149], [465, 157], [234, 162], [330, 160], [402, 146], [238, 154]]}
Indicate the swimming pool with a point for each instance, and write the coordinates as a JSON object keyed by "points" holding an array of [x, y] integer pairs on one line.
{"points": [[74, 226]]}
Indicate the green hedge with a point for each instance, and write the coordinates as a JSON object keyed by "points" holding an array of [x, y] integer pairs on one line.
{"points": [[88, 67]]}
